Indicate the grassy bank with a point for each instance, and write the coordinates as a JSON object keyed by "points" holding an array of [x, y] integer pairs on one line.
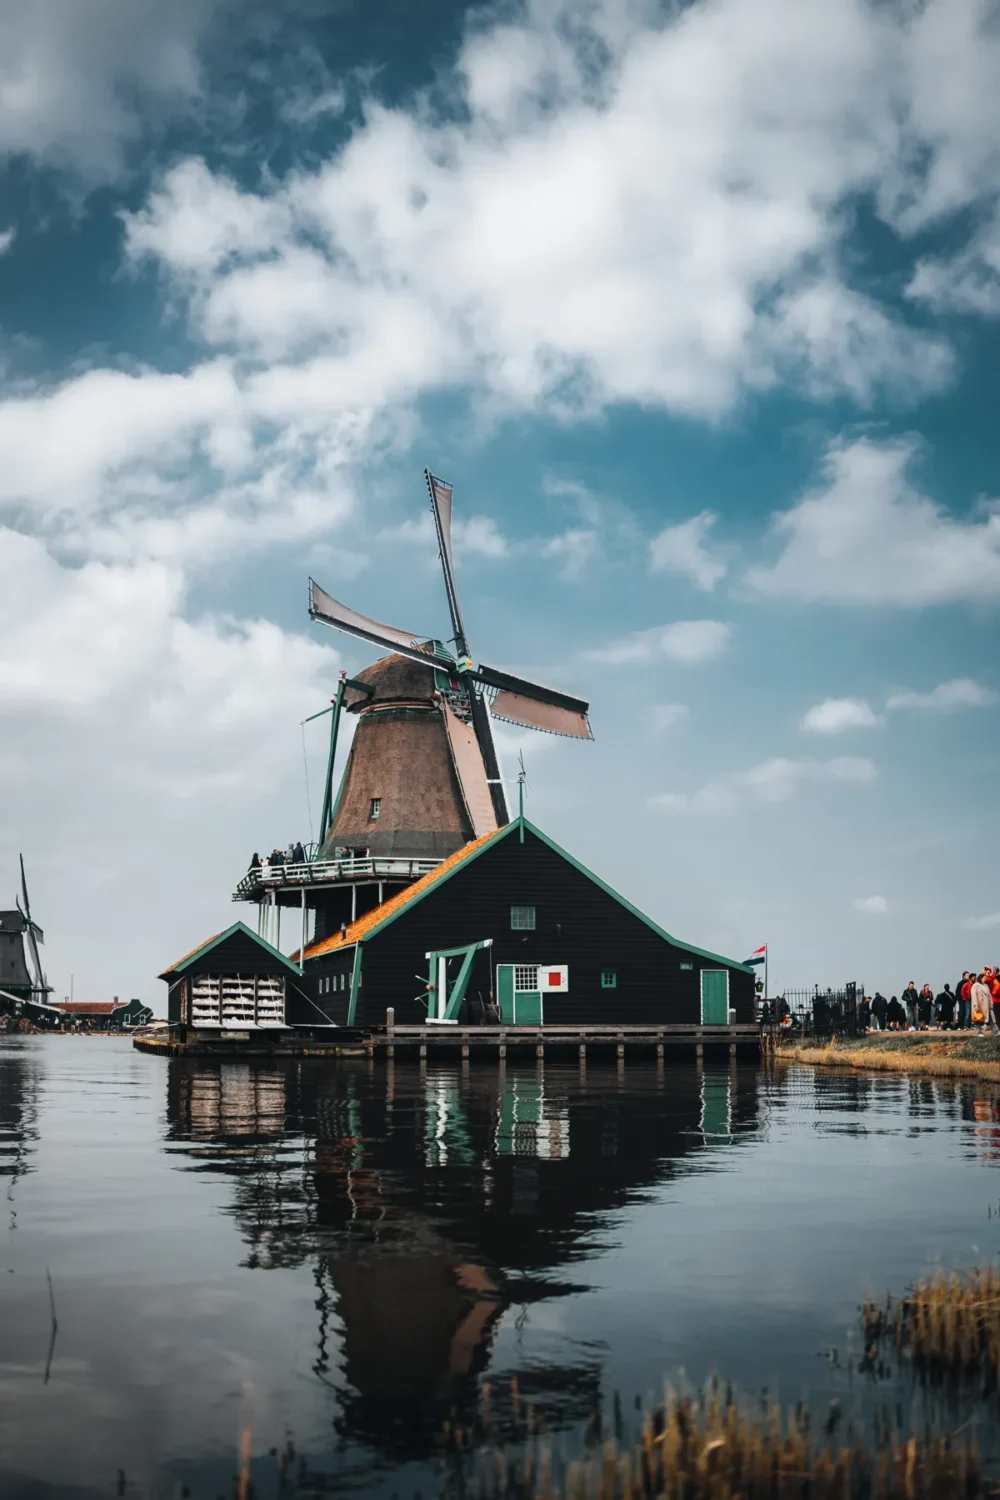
{"points": [[932, 1053]]}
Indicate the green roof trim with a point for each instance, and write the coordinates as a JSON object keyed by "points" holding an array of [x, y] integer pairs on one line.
{"points": [[185, 963], [516, 823]]}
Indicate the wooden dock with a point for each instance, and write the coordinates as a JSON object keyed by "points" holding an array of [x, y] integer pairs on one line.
{"points": [[562, 1043]]}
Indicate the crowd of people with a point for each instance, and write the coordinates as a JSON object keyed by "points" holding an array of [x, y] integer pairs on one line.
{"points": [[973, 1003], [293, 855]]}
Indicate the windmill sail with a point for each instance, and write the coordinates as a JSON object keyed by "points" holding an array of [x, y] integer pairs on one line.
{"points": [[471, 772], [441, 495], [34, 934], [323, 607], [517, 700]]}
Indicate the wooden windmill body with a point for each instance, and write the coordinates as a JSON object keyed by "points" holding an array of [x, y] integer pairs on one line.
{"points": [[422, 778]]}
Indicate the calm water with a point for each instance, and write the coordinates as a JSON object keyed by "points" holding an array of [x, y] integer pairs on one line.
{"points": [[343, 1255]]}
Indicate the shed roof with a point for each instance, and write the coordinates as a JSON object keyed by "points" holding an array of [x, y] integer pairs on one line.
{"points": [[380, 916], [87, 1007], [187, 961]]}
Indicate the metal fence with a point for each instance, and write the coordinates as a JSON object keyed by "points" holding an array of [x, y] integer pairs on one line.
{"points": [[815, 1012]]}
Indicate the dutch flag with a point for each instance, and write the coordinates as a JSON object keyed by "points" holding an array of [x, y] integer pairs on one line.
{"points": [[758, 956]]}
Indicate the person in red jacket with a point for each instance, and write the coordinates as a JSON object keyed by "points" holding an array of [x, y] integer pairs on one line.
{"points": [[965, 1001]]}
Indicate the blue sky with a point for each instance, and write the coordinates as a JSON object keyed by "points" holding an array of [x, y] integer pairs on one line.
{"points": [[696, 306]]}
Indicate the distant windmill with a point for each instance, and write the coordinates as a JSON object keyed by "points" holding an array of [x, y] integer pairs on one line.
{"points": [[34, 935], [21, 981], [423, 775]]}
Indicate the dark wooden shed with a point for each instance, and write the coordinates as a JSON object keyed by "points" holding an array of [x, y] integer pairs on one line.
{"points": [[232, 980], [563, 948]]}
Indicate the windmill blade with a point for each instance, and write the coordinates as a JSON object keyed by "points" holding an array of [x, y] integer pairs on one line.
{"points": [[24, 890], [440, 494], [329, 611], [40, 982], [518, 700], [488, 750]]}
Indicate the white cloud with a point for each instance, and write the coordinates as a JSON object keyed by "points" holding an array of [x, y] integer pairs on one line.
{"points": [[961, 692], [7, 237], [967, 282], [627, 211], [834, 715], [680, 549], [666, 716], [74, 74], [688, 641], [982, 924], [573, 549], [772, 781], [867, 536], [871, 906]]}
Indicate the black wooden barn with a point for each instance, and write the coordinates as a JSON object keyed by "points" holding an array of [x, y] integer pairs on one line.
{"points": [[556, 946]]}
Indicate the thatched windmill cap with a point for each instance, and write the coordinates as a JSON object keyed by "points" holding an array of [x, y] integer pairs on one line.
{"points": [[396, 679]]}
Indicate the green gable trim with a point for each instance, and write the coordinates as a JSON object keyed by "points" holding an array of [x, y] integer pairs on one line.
{"points": [[434, 885], [186, 963]]}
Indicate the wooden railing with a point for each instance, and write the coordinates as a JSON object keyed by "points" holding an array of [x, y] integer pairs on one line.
{"points": [[325, 871]]}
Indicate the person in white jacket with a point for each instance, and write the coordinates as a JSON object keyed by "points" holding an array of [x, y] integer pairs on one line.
{"points": [[982, 1001]]}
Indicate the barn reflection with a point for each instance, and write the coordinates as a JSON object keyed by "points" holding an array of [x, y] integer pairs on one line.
{"points": [[432, 1203]]}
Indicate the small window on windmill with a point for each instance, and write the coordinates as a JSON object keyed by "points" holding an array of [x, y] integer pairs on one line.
{"points": [[609, 979], [687, 966], [374, 809], [522, 919]]}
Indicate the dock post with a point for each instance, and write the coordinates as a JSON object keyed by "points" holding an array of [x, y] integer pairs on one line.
{"points": [[732, 1051], [621, 1049], [423, 1051], [390, 1050], [659, 1052], [390, 1017], [465, 1051], [583, 1054], [540, 1050], [699, 1051], [502, 1051]]}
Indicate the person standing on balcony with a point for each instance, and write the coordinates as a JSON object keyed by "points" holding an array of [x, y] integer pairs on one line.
{"points": [[299, 854]]}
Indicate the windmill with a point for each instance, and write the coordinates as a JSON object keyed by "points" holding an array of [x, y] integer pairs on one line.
{"points": [[21, 981], [423, 775], [35, 935]]}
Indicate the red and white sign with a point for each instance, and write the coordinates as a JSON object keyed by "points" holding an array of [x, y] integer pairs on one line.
{"points": [[553, 979]]}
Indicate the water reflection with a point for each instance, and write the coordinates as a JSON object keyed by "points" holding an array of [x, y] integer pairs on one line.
{"points": [[432, 1201], [18, 1120]]}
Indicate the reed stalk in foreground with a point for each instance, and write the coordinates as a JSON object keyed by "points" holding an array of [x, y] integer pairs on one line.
{"points": [[904, 1061], [948, 1326], [714, 1448]]}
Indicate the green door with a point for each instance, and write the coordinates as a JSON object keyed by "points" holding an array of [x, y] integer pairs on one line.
{"points": [[505, 993], [715, 997], [528, 1008]]}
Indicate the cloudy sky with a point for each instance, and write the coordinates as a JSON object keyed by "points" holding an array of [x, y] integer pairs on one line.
{"points": [[697, 307]]}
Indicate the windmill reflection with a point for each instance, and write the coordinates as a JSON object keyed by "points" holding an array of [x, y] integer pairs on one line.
{"points": [[433, 1204], [19, 1087]]}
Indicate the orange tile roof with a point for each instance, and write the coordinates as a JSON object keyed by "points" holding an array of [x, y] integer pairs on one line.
{"points": [[379, 914], [170, 969]]}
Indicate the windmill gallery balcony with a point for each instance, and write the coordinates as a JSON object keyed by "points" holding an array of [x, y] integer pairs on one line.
{"points": [[284, 882]]}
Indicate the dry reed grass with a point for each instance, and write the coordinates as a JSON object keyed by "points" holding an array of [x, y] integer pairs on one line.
{"points": [[904, 1061], [713, 1448], [947, 1327]]}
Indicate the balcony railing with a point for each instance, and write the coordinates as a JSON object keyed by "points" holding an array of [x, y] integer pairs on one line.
{"points": [[314, 872]]}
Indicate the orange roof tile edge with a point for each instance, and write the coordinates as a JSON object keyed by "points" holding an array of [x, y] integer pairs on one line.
{"points": [[379, 914], [170, 969]]}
